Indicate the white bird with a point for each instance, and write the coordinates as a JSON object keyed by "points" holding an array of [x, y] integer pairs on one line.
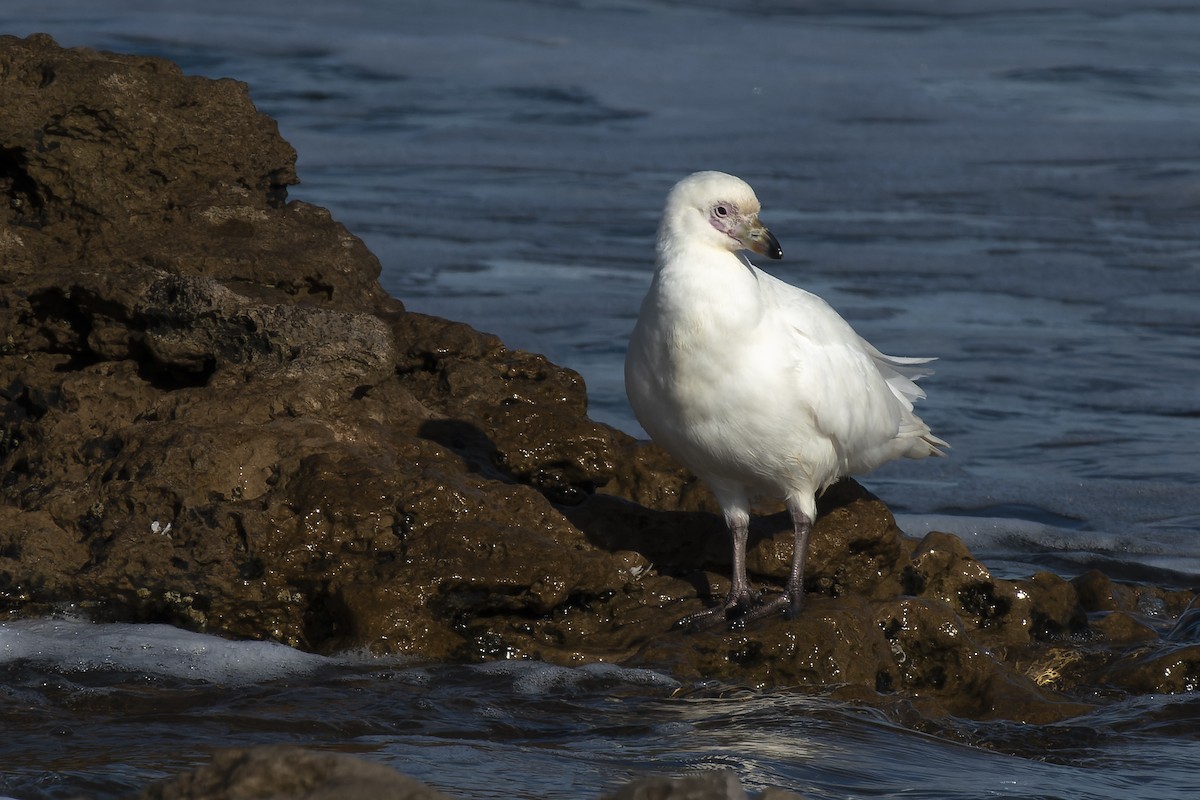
{"points": [[755, 385]]}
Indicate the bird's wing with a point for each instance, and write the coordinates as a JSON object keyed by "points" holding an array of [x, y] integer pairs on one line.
{"points": [[851, 391]]}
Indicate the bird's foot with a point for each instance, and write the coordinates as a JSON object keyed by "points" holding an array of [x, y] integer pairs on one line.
{"points": [[789, 602], [740, 604], [737, 611]]}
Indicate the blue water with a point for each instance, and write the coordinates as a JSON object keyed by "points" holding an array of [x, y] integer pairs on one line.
{"points": [[1015, 191]]}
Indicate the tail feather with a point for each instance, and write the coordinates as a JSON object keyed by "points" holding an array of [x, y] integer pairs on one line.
{"points": [[936, 443], [922, 441], [901, 374]]}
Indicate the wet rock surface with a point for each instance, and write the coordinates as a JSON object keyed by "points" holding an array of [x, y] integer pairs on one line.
{"points": [[212, 416]]}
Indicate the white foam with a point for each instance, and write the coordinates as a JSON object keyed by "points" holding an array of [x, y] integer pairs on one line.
{"points": [[1023, 544], [74, 645], [70, 645], [991, 532], [1018, 536]]}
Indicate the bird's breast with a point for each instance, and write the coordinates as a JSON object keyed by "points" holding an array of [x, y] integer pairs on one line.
{"points": [[694, 369]]}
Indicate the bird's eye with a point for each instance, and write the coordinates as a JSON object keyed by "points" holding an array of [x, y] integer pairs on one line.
{"points": [[721, 211]]}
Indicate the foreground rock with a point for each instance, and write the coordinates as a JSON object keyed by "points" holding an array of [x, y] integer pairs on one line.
{"points": [[213, 417], [290, 773], [293, 773]]}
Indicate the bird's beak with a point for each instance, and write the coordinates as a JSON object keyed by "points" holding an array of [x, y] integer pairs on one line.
{"points": [[754, 236]]}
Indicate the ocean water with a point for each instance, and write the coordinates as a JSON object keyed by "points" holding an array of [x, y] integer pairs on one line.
{"points": [[1014, 190]]}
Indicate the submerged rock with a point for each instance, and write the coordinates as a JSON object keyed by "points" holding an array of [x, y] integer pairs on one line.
{"points": [[713, 784], [275, 772], [213, 416], [293, 773]]}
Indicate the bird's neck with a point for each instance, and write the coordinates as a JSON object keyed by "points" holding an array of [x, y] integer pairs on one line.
{"points": [[707, 283], [702, 262]]}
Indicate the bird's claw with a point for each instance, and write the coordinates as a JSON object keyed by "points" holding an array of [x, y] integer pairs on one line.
{"points": [[739, 605], [740, 609], [789, 602]]}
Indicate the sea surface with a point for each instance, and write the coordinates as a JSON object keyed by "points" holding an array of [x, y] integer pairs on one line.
{"points": [[1012, 188]]}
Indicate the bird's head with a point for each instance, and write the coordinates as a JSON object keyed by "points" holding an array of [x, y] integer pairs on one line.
{"points": [[719, 209]]}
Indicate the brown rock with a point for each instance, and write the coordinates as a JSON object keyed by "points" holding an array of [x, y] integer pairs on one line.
{"points": [[1097, 593], [219, 418], [290, 773], [1173, 669], [275, 772], [717, 784], [1122, 628]]}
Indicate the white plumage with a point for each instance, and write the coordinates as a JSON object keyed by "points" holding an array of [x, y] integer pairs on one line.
{"points": [[757, 386]]}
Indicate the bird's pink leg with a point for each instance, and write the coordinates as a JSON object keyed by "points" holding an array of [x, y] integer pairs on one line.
{"points": [[793, 590], [741, 597]]}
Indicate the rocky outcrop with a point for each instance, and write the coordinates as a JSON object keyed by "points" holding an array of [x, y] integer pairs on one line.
{"points": [[213, 416]]}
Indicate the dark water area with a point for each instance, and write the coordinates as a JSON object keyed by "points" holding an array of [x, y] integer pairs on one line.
{"points": [[1014, 190]]}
